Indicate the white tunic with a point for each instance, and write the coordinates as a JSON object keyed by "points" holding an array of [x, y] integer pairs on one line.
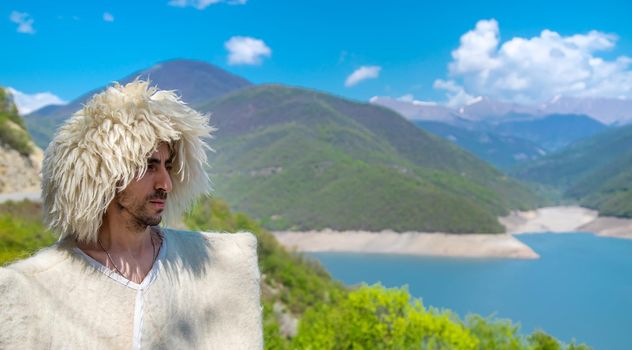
{"points": [[202, 293]]}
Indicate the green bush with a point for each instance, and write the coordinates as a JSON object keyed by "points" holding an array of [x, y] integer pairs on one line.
{"points": [[379, 318], [12, 127], [495, 334], [15, 137], [373, 317]]}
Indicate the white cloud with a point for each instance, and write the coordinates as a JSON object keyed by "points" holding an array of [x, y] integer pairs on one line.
{"points": [[28, 103], [362, 73], [532, 70], [246, 50], [24, 21], [108, 17], [202, 4]]}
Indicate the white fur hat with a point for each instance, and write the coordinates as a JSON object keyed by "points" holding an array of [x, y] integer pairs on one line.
{"points": [[104, 146]]}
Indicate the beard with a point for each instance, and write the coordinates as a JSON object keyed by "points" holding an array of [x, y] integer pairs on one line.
{"points": [[141, 211]]}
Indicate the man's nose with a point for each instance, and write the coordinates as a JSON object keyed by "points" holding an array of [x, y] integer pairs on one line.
{"points": [[163, 180]]}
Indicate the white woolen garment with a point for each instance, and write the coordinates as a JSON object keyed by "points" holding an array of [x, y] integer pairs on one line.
{"points": [[202, 293]]}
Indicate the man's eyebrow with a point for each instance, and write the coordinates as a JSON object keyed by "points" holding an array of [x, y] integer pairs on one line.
{"points": [[157, 161]]}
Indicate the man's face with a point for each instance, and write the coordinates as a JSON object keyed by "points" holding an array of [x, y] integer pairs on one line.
{"points": [[143, 200]]}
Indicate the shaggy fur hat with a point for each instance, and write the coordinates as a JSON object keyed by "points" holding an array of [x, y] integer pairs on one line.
{"points": [[104, 147]]}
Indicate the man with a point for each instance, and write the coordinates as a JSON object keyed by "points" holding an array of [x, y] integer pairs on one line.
{"points": [[115, 280]]}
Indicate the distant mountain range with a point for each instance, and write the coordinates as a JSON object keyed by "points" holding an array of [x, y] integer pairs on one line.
{"points": [[515, 140], [551, 132], [502, 133], [195, 81], [297, 159], [419, 111], [608, 111], [503, 151]]}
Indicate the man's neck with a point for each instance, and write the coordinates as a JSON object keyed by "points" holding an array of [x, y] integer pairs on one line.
{"points": [[128, 252], [118, 238]]}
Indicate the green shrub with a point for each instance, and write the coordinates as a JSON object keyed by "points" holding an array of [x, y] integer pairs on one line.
{"points": [[495, 334], [16, 138], [379, 318]]}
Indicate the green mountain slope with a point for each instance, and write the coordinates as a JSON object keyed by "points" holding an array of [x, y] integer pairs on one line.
{"points": [[596, 172], [504, 151], [298, 159]]}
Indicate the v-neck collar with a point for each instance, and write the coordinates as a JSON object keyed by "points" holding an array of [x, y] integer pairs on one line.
{"points": [[149, 278]]}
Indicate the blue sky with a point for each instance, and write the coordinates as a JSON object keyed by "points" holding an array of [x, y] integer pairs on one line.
{"points": [[406, 47]]}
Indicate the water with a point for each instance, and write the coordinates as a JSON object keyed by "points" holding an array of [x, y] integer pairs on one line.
{"points": [[580, 288]]}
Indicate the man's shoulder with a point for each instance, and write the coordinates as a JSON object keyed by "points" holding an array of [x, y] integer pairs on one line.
{"points": [[230, 248], [9, 278], [43, 260], [15, 277], [214, 241], [242, 238]]}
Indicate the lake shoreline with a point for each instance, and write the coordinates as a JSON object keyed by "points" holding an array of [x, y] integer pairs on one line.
{"points": [[558, 219], [465, 245], [500, 245], [564, 219]]}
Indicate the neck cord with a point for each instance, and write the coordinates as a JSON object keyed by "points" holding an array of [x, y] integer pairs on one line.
{"points": [[112, 261]]}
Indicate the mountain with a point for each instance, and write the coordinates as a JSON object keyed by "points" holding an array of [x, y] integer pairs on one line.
{"points": [[20, 159], [550, 132], [299, 159], [606, 110], [596, 172], [195, 81], [484, 108], [295, 158], [468, 127], [481, 109], [503, 151], [415, 110], [504, 134], [506, 143]]}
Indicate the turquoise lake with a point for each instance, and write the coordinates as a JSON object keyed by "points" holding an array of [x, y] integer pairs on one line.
{"points": [[581, 287]]}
